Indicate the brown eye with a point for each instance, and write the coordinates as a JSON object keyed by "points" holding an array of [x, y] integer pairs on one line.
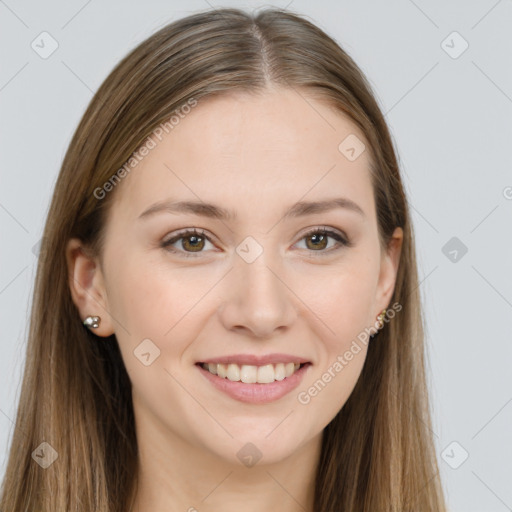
{"points": [[318, 239], [193, 241]]}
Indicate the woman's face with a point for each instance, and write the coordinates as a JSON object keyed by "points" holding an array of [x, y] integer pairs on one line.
{"points": [[253, 287]]}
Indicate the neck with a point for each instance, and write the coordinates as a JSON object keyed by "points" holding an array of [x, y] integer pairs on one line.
{"points": [[175, 475]]}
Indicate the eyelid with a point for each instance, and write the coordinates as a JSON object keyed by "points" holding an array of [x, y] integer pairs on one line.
{"points": [[325, 229], [184, 233], [341, 238]]}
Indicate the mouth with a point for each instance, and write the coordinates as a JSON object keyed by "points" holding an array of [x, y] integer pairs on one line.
{"points": [[252, 374], [254, 384]]}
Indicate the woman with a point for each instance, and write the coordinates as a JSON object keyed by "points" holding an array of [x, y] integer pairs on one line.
{"points": [[226, 309]]}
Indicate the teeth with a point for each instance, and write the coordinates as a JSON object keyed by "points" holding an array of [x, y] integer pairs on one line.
{"points": [[266, 373], [252, 374], [279, 372], [222, 370], [233, 372], [249, 374]]}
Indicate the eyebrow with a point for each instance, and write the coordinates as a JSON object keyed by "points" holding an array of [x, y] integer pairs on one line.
{"points": [[213, 211]]}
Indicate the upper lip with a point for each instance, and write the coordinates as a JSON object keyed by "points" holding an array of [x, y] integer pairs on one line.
{"points": [[255, 360]]}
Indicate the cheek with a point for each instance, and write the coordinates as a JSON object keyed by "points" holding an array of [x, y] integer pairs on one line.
{"points": [[344, 307], [153, 300], [151, 296], [156, 306], [173, 306], [343, 302], [342, 299]]}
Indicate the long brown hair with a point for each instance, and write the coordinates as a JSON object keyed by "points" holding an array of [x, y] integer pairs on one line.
{"points": [[377, 453]]}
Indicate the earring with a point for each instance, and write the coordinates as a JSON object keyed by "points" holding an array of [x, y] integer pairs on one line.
{"points": [[92, 322], [380, 318]]}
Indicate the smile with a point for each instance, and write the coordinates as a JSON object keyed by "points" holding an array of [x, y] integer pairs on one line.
{"points": [[254, 384], [251, 374]]}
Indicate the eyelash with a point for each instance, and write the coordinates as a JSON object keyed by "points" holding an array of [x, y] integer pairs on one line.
{"points": [[166, 244]]}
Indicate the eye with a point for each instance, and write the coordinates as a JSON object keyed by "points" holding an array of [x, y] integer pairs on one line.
{"points": [[193, 241], [319, 240]]}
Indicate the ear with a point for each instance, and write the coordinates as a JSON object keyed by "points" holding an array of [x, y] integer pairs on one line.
{"points": [[388, 270], [87, 286]]}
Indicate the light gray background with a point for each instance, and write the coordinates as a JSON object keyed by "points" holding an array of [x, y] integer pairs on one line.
{"points": [[450, 118]]}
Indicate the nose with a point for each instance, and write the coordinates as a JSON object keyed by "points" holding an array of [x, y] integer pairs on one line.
{"points": [[259, 299]]}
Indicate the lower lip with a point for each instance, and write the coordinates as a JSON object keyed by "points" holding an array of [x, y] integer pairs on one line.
{"points": [[256, 393]]}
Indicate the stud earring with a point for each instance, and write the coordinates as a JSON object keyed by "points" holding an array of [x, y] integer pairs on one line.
{"points": [[92, 322], [380, 318]]}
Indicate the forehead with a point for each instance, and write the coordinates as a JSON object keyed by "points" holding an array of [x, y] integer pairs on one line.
{"points": [[252, 154]]}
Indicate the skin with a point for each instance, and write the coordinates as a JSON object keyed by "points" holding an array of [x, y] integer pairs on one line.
{"points": [[257, 155]]}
